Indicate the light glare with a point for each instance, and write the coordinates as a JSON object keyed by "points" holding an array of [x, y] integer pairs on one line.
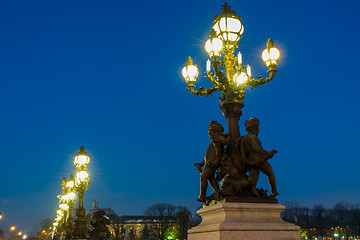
{"points": [[240, 79]]}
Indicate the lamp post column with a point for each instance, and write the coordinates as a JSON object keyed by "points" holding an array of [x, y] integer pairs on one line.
{"points": [[232, 112], [79, 231], [82, 182]]}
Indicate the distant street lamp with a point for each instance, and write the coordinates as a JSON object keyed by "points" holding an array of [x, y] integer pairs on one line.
{"points": [[68, 201], [12, 229], [1, 216], [82, 183]]}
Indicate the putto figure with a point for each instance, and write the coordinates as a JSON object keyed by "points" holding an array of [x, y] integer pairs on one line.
{"points": [[213, 156], [240, 181], [255, 157]]}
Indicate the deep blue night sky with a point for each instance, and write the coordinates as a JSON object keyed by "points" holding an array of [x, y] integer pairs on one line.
{"points": [[107, 75]]}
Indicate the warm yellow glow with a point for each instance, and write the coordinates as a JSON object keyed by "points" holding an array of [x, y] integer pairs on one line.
{"points": [[81, 178], [274, 54], [213, 47], [24, 237], [271, 56], [70, 184], [82, 175], [71, 196], [233, 25], [229, 28], [64, 198], [60, 213], [190, 73], [12, 228], [55, 224], [64, 207], [241, 78], [20, 233], [81, 160]]}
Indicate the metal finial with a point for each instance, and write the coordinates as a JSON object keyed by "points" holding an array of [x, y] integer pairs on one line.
{"points": [[270, 43], [227, 9], [189, 61]]}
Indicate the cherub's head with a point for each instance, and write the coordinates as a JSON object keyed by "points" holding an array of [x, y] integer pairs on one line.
{"points": [[252, 125], [215, 127]]}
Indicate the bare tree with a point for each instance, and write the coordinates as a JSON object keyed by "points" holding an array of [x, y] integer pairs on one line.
{"points": [[160, 218], [184, 222]]}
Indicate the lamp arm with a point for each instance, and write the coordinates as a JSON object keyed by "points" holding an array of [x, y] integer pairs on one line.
{"points": [[211, 78], [202, 92], [260, 81], [219, 74]]}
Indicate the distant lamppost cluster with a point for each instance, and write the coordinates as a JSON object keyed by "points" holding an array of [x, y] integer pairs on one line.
{"points": [[64, 225]]}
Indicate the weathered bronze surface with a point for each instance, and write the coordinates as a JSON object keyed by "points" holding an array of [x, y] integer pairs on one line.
{"points": [[236, 162]]}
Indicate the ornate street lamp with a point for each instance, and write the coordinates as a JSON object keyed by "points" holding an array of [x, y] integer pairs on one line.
{"points": [[239, 210], [227, 73], [67, 201], [82, 183]]}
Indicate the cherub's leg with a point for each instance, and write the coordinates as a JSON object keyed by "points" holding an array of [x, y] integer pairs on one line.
{"points": [[266, 168], [214, 184], [205, 175], [254, 174]]}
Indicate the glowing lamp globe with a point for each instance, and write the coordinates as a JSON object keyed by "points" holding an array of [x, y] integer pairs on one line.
{"points": [[241, 78], [228, 26], [64, 198], [70, 184], [271, 55], [213, 47], [190, 71], [81, 159], [71, 196], [64, 207], [81, 178]]}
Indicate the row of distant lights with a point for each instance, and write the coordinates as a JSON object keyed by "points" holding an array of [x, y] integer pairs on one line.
{"points": [[12, 228], [81, 176]]}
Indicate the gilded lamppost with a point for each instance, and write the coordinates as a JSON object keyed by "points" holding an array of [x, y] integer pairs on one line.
{"points": [[67, 200], [82, 183], [229, 76]]}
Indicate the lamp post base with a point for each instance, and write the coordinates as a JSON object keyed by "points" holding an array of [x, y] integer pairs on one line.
{"points": [[238, 221]]}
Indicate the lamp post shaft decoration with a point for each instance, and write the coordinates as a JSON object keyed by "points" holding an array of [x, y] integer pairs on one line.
{"points": [[226, 158]]}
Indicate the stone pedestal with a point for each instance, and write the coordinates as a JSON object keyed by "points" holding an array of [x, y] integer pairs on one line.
{"points": [[243, 221]]}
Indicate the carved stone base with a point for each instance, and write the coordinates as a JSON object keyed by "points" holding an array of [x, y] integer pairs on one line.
{"points": [[240, 221]]}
